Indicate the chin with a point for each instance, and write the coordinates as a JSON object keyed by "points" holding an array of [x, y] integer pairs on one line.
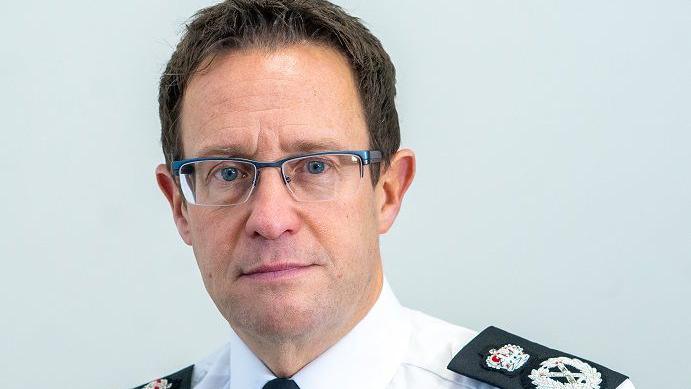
{"points": [[284, 317]]}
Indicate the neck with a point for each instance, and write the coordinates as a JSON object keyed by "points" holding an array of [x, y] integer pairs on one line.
{"points": [[285, 357]]}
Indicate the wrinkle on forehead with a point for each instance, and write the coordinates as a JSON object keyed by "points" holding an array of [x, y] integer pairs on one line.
{"points": [[280, 67], [299, 141], [272, 101]]}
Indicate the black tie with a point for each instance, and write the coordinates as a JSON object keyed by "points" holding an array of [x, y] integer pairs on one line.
{"points": [[281, 383]]}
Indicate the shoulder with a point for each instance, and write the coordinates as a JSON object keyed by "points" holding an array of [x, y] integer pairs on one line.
{"points": [[444, 355], [508, 361], [181, 379], [211, 372], [432, 344]]}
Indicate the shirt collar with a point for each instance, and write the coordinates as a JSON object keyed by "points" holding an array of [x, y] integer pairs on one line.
{"points": [[367, 357]]}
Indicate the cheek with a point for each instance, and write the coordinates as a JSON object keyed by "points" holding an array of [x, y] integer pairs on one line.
{"points": [[348, 230], [214, 234]]}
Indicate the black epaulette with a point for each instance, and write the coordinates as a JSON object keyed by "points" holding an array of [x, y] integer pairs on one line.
{"points": [[510, 362], [178, 380]]}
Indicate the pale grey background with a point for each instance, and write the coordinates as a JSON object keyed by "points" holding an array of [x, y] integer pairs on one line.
{"points": [[552, 196]]}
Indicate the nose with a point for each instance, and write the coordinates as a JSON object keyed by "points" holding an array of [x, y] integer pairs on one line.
{"points": [[272, 208]]}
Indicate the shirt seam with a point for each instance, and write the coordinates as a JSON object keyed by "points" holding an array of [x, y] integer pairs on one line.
{"points": [[438, 375]]}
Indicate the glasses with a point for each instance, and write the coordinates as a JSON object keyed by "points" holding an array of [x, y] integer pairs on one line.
{"points": [[310, 177]]}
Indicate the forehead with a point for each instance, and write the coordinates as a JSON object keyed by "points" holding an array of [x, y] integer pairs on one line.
{"points": [[260, 103]]}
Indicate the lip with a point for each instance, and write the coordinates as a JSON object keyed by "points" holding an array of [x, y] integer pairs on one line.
{"points": [[276, 271]]}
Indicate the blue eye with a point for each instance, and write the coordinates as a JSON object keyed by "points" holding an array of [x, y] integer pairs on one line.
{"points": [[229, 173], [315, 167]]}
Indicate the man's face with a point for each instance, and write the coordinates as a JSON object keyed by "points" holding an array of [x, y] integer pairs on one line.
{"points": [[267, 105]]}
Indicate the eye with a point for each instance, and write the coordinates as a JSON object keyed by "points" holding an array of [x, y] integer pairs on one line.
{"points": [[316, 167], [229, 173]]}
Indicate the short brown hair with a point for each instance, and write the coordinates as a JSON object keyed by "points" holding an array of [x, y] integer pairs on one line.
{"points": [[239, 24]]}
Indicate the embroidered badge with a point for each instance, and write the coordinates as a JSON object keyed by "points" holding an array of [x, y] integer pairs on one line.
{"points": [[565, 373], [508, 357], [161, 383]]}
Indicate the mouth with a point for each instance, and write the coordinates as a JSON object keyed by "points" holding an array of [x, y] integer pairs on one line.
{"points": [[276, 271]]}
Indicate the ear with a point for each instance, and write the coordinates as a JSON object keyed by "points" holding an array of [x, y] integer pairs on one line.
{"points": [[392, 185], [177, 204]]}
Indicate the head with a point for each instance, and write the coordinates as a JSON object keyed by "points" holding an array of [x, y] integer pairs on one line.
{"points": [[263, 80]]}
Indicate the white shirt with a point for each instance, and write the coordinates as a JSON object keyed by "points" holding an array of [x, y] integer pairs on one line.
{"points": [[392, 347]]}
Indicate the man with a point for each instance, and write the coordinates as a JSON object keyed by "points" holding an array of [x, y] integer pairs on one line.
{"points": [[282, 169]]}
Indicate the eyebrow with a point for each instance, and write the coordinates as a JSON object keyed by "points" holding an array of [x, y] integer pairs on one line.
{"points": [[308, 146], [224, 151], [296, 147]]}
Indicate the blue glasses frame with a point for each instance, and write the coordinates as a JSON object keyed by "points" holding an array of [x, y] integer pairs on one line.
{"points": [[366, 156]]}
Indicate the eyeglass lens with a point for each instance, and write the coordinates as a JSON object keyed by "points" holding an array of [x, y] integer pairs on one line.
{"points": [[309, 179]]}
